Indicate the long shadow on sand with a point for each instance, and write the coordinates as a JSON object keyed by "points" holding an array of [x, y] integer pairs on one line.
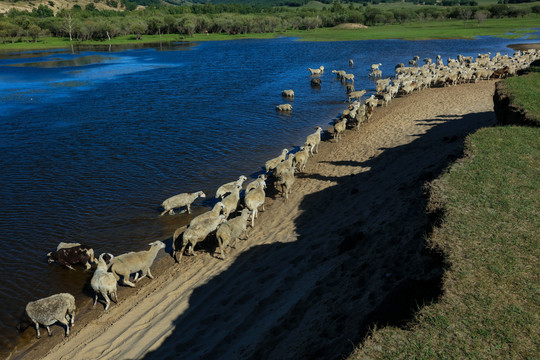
{"points": [[359, 259]]}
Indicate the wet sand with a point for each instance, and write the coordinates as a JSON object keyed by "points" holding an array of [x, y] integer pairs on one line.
{"points": [[347, 250]]}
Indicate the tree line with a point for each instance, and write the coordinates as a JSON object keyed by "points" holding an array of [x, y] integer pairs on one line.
{"points": [[80, 24]]}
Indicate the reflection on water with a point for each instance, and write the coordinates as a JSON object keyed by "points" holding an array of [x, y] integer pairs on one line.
{"points": [[57, 63], [92, 143]]}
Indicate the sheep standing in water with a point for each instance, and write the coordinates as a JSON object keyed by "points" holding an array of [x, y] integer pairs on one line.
{"points": [[180, 200], [318, 71], [47, 311], [287, 93], [284, 107]]}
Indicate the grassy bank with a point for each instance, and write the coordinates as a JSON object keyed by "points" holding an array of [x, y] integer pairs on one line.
{"points": [[519, 27], [428, 30], [489, 236], [524, 92]]}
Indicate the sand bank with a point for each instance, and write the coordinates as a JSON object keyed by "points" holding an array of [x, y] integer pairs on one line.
{"points": [[345, 251]]}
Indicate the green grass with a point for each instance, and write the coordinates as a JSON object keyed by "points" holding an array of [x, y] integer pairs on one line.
{"points": [[409, 31], [524, 91], [489, 235], [491, 303], [427, 30]]}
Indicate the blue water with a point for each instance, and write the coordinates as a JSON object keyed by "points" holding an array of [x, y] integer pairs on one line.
{"points": [[93, 140]]}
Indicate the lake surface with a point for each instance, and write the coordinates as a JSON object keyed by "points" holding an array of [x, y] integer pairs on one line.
{"points": [[93, 140]]}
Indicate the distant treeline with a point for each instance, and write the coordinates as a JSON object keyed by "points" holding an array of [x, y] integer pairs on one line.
{"points": [[90, 24]]}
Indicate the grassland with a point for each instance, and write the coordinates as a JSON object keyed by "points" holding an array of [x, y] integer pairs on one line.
{"points": [[488, 234], [509, 28], [524, 92], [456, 29]]}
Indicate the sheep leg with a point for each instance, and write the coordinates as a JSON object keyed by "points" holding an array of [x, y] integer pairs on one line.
{"points": [[66, 323], [181, 253], [107, 301], [37, 329], [149, 274], [114, 297], [164, 212], [128, 283], [95, 300], [189, 208], [220, 242], [48, 330]]}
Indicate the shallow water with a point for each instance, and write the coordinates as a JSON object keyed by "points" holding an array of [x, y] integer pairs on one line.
{"points": [[93, 140]]}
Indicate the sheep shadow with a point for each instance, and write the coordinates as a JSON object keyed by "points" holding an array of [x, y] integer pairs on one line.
{"points": [[359, 259]]}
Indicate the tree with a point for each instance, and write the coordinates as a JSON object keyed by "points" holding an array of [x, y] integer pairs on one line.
{"points": [[34, 31], [68, 24], [481, 16], [43, 11], [138, 27]]}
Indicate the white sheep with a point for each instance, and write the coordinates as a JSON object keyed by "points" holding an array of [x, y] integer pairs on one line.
{"points": [[180, 200], [284, 107], [271, 164], [318, 71], [301, 158], [387, 97], [348, 77], [356, 94], [351, 62], [284, 165], [230, 186], [375, 66], [286, 181], [372, 101], [339, 128], [132, 262], [104, 282], [231, 230], [252, 185], [339, 73], [230, 202], [216, 210], [254, 199], [198, 232], [375, 73], [313, 140], [47, 311], [287, 93]]}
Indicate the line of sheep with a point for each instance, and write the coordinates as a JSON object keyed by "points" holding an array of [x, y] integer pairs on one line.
{"points": [[236, 209]]}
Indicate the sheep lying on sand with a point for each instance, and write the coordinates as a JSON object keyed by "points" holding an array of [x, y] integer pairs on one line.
{"points": [[104, 282], [229, 187], [231, 230], [180, 200], [126, 264], [47, 311]]}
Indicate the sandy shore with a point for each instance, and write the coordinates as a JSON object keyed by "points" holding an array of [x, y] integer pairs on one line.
{"points": [[346, 251]]}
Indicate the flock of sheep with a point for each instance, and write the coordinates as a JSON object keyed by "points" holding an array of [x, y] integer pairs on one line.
{"points": [[225, 220]]}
